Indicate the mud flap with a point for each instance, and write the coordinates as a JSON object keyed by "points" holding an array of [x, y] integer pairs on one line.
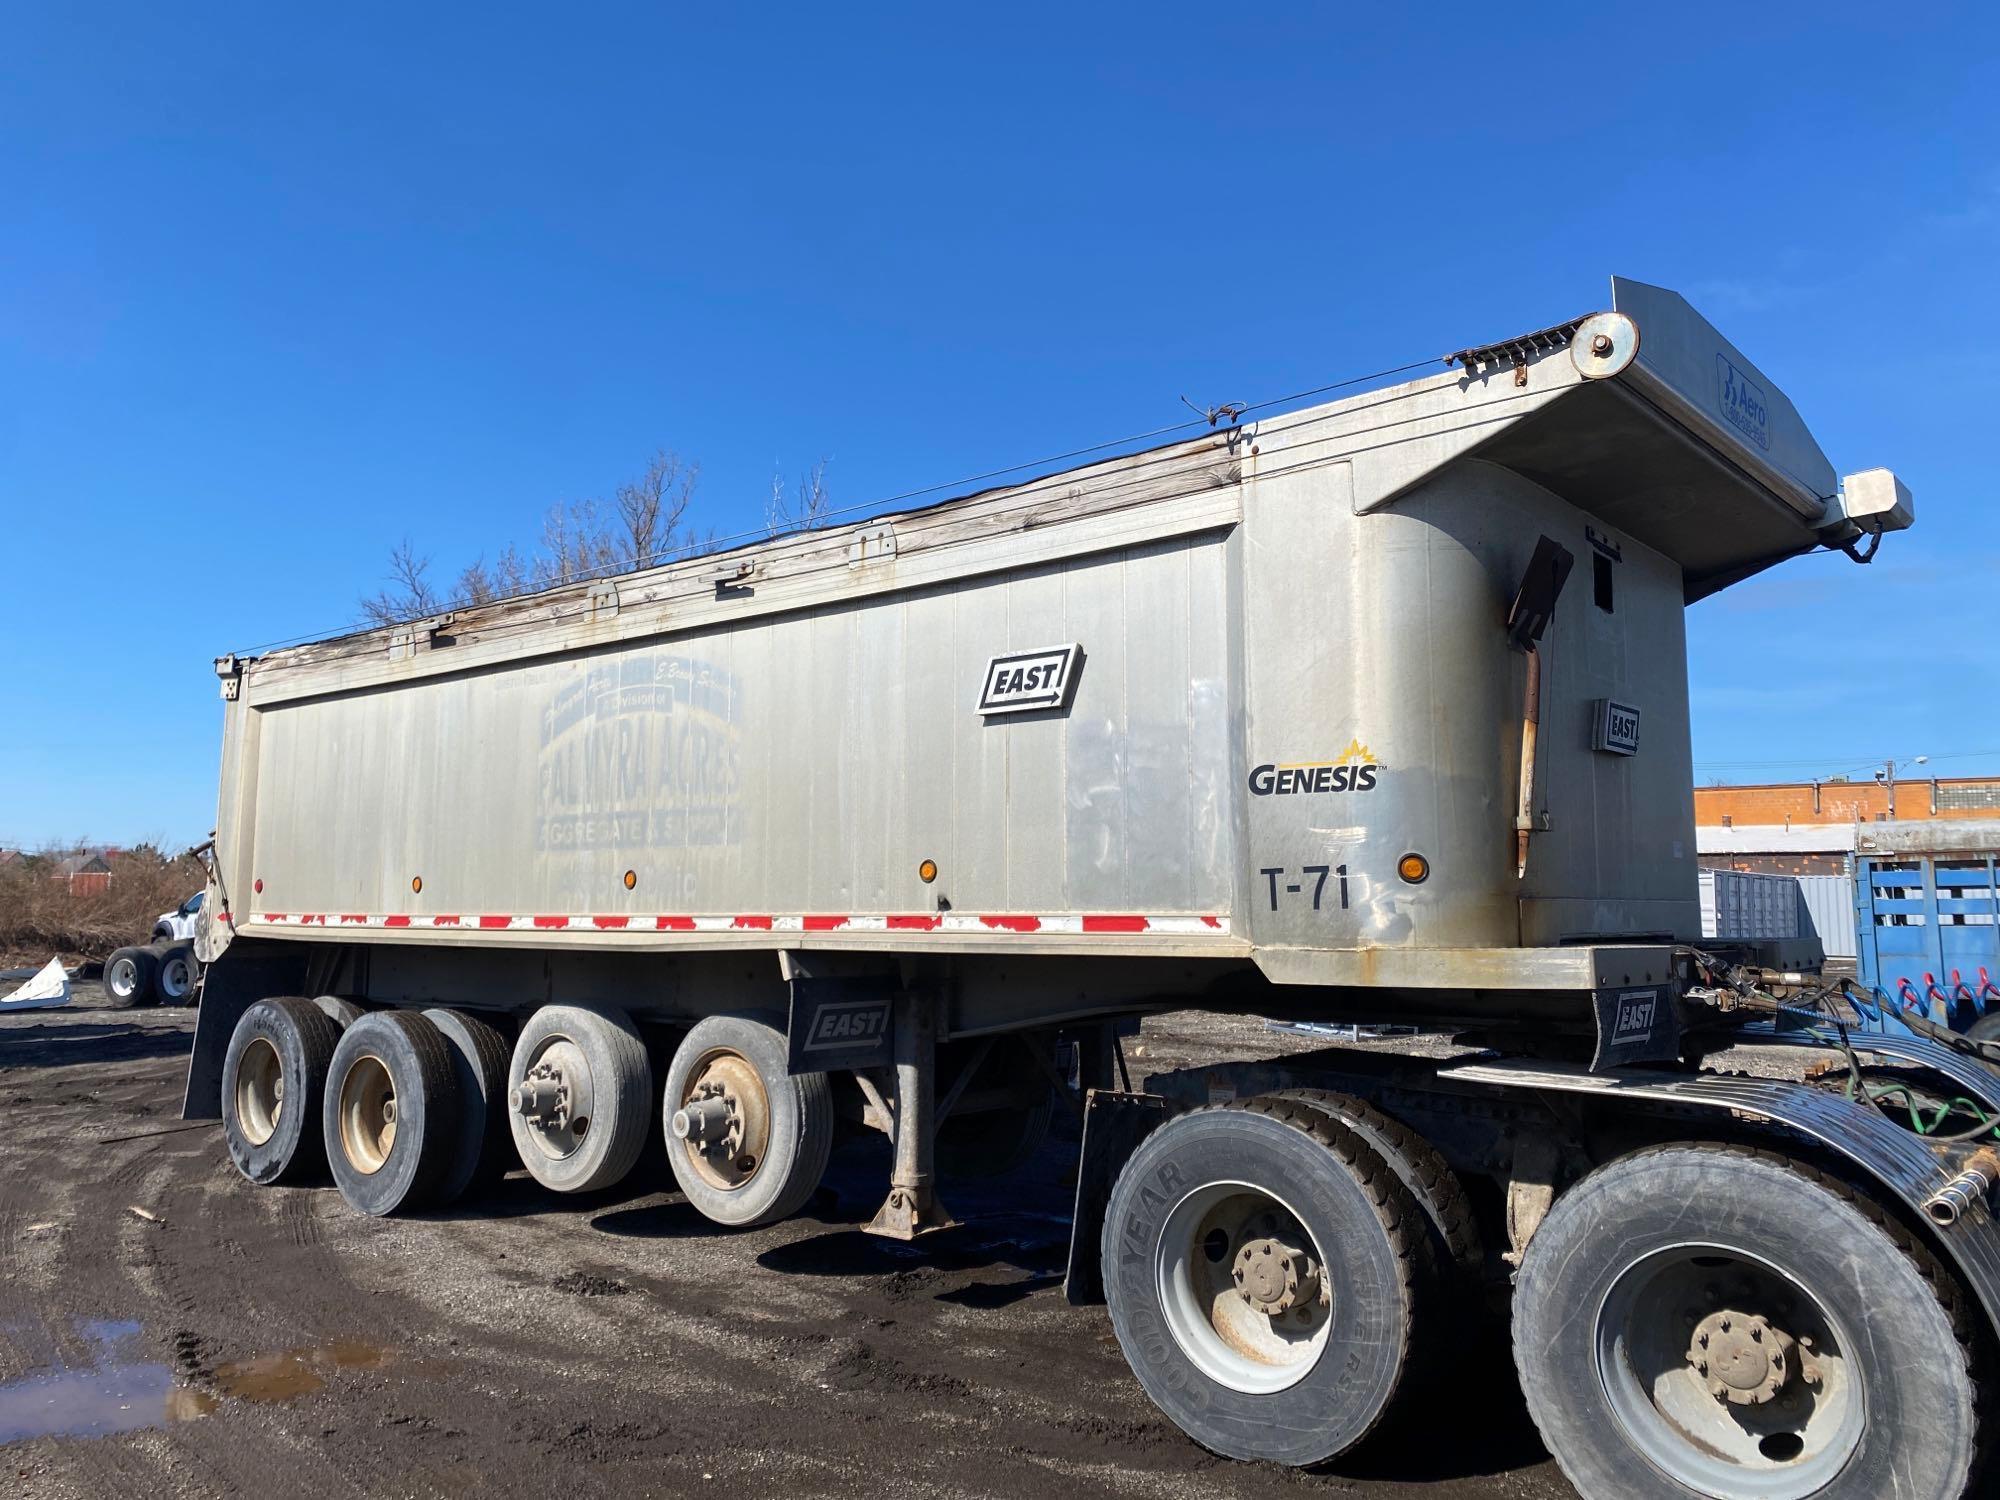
{"points": [[1635, 1024], [841, 1023], [248, 972], [1114, 1124]]}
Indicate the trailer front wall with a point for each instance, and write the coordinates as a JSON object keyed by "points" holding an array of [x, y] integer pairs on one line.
{"points": [[805, 763]]}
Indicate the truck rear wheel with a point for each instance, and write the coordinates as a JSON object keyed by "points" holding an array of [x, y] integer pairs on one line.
{"points": [[178, 974], [1262, 1266], [273, 1077], [391, 1112], [128, 977], [747, 1141], [479, 1058], [1715, 1320], [580, 1097]]}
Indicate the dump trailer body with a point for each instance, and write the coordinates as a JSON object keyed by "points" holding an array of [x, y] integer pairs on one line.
{"points": [[1249, 698]]}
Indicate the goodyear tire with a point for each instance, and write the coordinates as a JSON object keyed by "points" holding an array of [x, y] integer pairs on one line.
{"points": [[1716, 1320], [128, 978], [391, 1112], [178, 974], [273, 1079], [485, 1147], [1263, 1270], [580, 1097], [747, 1142]]}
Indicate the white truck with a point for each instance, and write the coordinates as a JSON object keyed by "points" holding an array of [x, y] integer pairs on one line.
{"points": [[1372, 711]]}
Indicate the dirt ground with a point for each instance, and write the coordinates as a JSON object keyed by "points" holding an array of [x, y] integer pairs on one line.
{"points": [[198, 1336]]}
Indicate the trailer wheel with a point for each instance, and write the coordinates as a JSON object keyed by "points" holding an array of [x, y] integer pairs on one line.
{"points": [[128, 977], [1717, 1320], [178, 974], [1262, 1270], [479, 1058], [580, 1097], [1455, 1235], [273, 1077], [748, 1142], [343, 1013], [993, 1142], [391, 1111]]}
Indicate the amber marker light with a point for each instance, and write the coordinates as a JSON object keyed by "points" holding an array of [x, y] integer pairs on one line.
{"points": [[927, 871], [1414, 868], [631, 880], [416, 882]]}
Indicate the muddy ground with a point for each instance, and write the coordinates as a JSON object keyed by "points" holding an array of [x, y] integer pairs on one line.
{"points": [[271, 1341]]}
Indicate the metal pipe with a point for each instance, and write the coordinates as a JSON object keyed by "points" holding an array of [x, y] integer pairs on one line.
{"points": [[1948, 1203], [1531, 715]]}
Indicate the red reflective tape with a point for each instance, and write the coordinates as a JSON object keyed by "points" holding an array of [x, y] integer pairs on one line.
{"points": [[1115, 924], [611, 921], [395, 921], [494, 921], [674, 924], [444, 921], [1013, 924], [359, 918], [269, 916], [822, 924], [552, 921], [1211, 921], [762, 924], [915, 924]]}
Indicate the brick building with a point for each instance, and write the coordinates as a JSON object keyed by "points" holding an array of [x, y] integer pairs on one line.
{"points": [[1812, 827]]}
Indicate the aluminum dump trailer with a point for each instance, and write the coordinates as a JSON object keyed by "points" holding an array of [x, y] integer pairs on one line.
{"points": [[1375, 711]]}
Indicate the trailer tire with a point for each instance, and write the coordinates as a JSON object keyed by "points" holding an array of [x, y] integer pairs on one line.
{"points": [[391, 1112], [992, 1143], [1265, 1389], [590, 1136], [343, 1013], [1623, 1293], [485, 1146], [178, 974], [128, 977], [1455, 1239], [780, 1124], [273, 1078], [1986, 1028]]}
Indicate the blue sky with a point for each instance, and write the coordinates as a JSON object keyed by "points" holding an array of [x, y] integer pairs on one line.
{"points": [[279, 289]]}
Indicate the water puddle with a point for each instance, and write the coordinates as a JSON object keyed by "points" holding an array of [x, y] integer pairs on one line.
{"points": [[111, 1394], [116, 1393], [296, 1372]]}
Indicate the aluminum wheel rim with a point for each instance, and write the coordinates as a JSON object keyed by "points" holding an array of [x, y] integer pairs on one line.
{"points": [[1229, 1340], [260, 1091], [1791, 1446], [124, 978], [367, 1112], [729, 1162], [175, 980]]}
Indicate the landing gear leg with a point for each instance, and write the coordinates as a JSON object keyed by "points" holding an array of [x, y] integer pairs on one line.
{"points": [[912, 1208]]}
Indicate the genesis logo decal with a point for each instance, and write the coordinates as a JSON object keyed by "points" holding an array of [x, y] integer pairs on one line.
{"points": [[1024, 681], [1353, 770]]}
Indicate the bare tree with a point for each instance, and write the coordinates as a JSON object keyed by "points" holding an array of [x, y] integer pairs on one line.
{"points": [[807, 509], [646, 524], [651, 510], [409, 595]]}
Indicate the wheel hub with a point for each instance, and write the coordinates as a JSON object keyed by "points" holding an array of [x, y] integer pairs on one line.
{"points": [[1744, 1359], [554, 1097], [1274, 1277], [724, 1121]]}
